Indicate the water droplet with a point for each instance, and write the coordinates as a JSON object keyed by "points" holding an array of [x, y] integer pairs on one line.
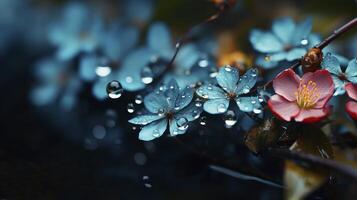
{"points": [[148, 185], [146, 75], [156, 133], [245, 89], [253, 101], [228, 68], [203, 120], [99, 132], [267, 58], [230, 118], [129, 79], [203, 63], [257, 110], [198, 104], [138, 99], [260, 99], [304, 42], [130, 108], [145, 178], [182, 123], [161, 112], [221, 108], [209, 88], [114, 89], [195, 114], [103, 71]]}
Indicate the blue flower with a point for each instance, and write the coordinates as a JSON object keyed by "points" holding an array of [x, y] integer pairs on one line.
{"points": [[167, 105], [79, 31], [56, 83], [333, 64], [231, 87], [286, 41]]}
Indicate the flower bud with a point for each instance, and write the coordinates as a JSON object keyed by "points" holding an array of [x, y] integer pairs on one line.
{"points": [[312, 60]]}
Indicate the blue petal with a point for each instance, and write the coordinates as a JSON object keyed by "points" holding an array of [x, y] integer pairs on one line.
{"points": [[144, 119], [339, 85], [210, 92], [191, 112], [187, 57], [171, 92], [265, 64], [249, 104], [277, 56], [351, 71], [216, 106], [87, 66], [247, 81], [227, 78], [137, 11], [129, 73], [284, 29], [265, 42], [184, 98], [45, 94], [295, 53], [159, 39], [302, 31], [174, 129], [156, 102], [99, 88], [153, 130], [331, 64]]}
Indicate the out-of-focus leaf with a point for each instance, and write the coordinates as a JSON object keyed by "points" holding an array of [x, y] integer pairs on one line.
{"points": [[263, 135], [301, 180]]}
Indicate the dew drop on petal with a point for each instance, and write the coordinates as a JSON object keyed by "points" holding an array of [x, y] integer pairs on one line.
{"points": [[161, 112], [156, 133], [304, 42], [221, 108], [146, 75], [138, 99], [130, 108], [267, 58], [230, 118], [203, 63], [203, 120], [114, 89], [257, 110], [103, 71], [198, 104], [182, 123]]}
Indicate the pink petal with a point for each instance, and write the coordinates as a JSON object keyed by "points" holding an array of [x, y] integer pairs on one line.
{"points": [[351, 90], [324, 83], [283, 108], [312, 115], [351, 108], [286, 84]]}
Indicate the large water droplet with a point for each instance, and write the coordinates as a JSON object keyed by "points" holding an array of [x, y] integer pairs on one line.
{"points": [[182, 123], [130, 108], [230, 118], [161, 112], [146, 75], [138, 99], [114, 89]]}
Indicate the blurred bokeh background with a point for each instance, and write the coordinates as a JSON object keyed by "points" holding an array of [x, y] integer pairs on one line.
{"points": [[63, 138]]}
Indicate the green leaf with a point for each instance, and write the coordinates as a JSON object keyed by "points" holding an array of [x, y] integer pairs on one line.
{"points": [[302, 180]]}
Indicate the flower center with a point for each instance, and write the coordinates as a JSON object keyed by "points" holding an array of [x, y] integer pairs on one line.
{"points": [[307, 95]]}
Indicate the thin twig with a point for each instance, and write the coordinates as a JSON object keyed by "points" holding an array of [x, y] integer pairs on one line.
{"points": [[332, 165]]}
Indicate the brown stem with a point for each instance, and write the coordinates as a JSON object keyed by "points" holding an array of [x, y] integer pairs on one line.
{"points": [[334, 166]]}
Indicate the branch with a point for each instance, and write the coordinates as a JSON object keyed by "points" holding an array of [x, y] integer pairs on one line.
{"points": [[334, 166]]}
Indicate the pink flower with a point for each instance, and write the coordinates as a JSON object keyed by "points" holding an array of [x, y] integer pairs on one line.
{"points": [[303, 99], [351, 106]]}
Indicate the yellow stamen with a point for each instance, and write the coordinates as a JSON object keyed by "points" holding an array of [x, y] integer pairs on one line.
{"points": [[307, 95]]}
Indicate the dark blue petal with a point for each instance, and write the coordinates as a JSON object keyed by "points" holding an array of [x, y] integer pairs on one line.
{"points": [[247, 81], [265, 42], [331, 64], [144, 119], [153, 130], [284, 29], [227, 78], [210, 92], [249, 104], [216, 106]]}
